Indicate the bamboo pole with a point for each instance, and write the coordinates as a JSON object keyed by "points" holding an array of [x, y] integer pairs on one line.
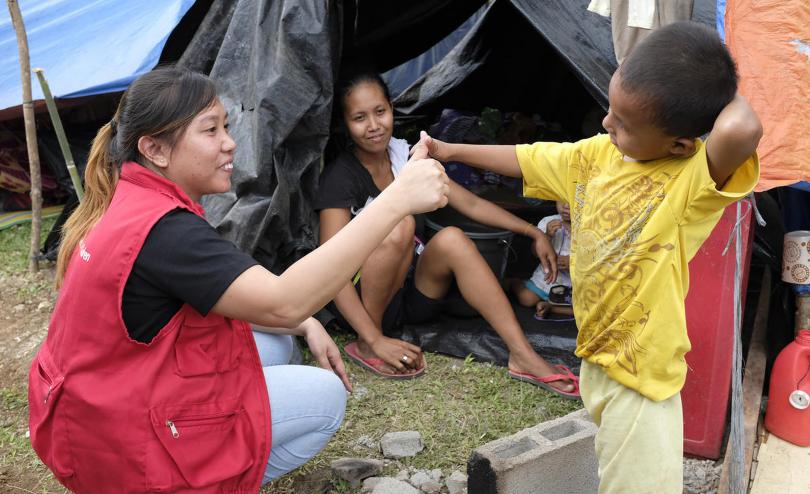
{"points": [[30, 134], [60, 134]]}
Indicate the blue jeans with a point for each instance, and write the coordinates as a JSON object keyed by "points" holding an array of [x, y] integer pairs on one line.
{"points": [[306, 405]]}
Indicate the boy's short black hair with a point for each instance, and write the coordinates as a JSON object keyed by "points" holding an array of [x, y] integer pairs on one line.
{"points": [[685, 76]]}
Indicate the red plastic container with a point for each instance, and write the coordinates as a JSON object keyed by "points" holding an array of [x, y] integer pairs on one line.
{"points": [[710, 325], [788, 413]]}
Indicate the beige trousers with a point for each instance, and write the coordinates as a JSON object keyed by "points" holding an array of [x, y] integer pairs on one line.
{"points": [[639, 444]]}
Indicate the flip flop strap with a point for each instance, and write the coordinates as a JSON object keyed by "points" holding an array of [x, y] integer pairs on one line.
{"points": [[545, 379]]}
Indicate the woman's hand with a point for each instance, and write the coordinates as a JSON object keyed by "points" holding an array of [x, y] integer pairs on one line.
{"points": [[545, 252], [324, 350], [392, 351], [422, 186]]}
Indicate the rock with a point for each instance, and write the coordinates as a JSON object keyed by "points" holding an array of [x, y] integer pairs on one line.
{"points": [[456, 483], [401, 444], [700, 476], [359, 392], [43, 306], [432, 487], [19, 308], [436, 475], [316, 482], [419, 478], [354, 470], [369, 484], [365, 441], [403, 475], [388, 485]]}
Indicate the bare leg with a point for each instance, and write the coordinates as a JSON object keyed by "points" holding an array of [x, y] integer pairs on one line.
{"points": [[384, 273], [526, 297], [450, 254]]}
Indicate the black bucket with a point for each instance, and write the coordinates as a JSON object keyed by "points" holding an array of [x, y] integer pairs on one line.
{"points": [[492, 243]]}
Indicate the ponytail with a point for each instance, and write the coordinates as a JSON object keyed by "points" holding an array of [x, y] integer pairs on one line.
{"points": [[100, 177]]}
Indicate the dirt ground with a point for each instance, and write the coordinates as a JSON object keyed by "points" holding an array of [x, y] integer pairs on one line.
{"points": [[27, 301]]}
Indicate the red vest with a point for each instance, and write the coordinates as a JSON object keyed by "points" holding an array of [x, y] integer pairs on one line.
{"points": [[188, 412]]}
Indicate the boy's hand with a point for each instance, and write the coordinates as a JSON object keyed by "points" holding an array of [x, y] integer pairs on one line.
{"points": [[434, 148], [553, 226]]}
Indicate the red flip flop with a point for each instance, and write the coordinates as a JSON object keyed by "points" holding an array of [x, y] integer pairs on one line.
{"points": [[374, 364], [542, 382]]}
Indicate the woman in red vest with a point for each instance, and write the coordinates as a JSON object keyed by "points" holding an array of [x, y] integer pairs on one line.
{"points": [[150, 379]]}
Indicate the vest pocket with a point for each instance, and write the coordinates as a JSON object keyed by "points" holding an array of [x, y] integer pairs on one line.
{"points": [[48, 437], [206, 444], [205, 346]]}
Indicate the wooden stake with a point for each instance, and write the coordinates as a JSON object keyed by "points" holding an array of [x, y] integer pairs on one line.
{"points": [[30, 134], [753, 381], [60, 134]]}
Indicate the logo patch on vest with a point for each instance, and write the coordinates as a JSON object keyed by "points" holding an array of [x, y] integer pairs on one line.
{"points": [[83, 251]]}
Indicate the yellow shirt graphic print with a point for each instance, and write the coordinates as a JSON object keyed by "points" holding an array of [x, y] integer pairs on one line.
{"points": [[635, 226]]}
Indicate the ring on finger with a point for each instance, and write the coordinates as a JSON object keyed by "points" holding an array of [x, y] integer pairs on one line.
{"points": [[405, 359]]}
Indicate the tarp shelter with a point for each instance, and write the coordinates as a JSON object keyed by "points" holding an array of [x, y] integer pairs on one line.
{"points": [[276, 64], [86, 48], [771, 42]]}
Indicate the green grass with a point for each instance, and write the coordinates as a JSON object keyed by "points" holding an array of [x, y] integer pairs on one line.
{"points": [[16, 454], [15, 243], [457, 406]]}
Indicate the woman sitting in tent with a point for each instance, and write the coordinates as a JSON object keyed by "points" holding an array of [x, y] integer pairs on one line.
{"points": [[382, 294], [150, 378]]}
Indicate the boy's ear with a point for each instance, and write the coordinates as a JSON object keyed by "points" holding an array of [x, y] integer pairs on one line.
{"points": [[682, 147], [153, 150]]}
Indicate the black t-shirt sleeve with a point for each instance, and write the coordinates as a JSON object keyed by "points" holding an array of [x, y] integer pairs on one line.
{"points": [[344, 184], [183, 260]]}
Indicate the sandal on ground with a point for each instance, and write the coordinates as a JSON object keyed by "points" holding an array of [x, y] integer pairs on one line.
{"points": [[542, 382], [376, 365]]}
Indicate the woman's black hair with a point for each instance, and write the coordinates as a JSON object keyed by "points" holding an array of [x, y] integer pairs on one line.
{"points": [[350, 77]]}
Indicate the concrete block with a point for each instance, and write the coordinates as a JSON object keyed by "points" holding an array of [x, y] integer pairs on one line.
{"points": [[550, 458], [388, 485]]}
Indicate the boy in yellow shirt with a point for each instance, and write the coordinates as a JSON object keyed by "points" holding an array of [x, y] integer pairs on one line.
{"points": [[643, 199]]}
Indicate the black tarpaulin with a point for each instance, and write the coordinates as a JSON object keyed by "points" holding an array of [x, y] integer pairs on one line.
{"points": [[522, 32], [275, 69], [275, 63]]}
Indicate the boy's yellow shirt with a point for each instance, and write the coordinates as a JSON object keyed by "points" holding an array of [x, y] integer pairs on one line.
{"points": [[635, 226]]}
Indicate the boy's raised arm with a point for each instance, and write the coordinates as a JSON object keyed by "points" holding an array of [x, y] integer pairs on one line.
{"points": [[733, 139], [497, 158]]}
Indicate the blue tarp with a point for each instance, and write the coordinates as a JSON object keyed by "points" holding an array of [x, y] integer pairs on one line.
{"points": [[399, 78], [86, 46]]}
